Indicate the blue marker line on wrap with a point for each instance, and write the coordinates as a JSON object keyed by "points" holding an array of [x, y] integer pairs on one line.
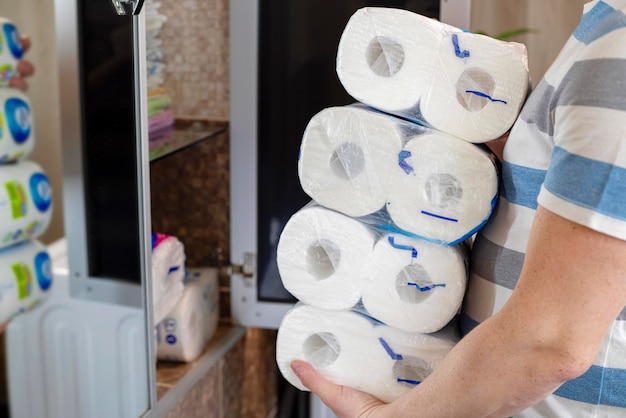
{"points": [[402, 156], [434, 215], [391, 240], [457, 49], [173, 269], [486, 96], [410, 382], [389, 351], [426, 288]]}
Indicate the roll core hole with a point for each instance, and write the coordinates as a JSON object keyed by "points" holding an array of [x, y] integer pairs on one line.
{"points": [[471, 87], [321, 349], [384, 56], [347, 161], [443, 190], [322, 259], [411, 371], [407, 282]]}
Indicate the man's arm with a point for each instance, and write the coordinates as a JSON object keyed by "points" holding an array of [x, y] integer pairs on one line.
{"points": [[571, 289]]}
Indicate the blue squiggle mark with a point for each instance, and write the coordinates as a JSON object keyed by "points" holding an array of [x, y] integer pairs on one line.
{"points": [[402, 156], [389, 351], [391, 240], [457, 49], [410, 382], [426, 288], [486, 96], [434, 215]]}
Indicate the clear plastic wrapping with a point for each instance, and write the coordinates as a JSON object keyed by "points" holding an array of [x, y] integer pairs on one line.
{"points": [[349, 349], [332, 261], [468, 85], [394, 172]]}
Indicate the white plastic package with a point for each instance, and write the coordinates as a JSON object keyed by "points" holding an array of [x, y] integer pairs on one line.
{"points": [[25, 202], [17, 130], [168, 273], [468, 85], [332, 261], [364, 163], [11, 50], [186, 330], [25, 278], [349, 349]]}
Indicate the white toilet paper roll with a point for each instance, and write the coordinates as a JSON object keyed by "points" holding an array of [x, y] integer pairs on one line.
{"points": [[25, 278], [444, 188], [468, 85], [415, 285], [381, 58], [168, 272], [25, 202], [345, 157], [321, 256], [11, 50], [348, 350], [185, 331], [17, 137]]}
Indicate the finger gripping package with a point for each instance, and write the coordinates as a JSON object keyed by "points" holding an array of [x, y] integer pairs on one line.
{"points": [[399, 182]]}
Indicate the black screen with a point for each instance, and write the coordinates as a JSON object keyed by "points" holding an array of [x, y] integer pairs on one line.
{"points": [[109, 141], [298, 43]]}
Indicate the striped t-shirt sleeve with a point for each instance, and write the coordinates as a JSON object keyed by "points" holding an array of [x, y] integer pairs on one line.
{"points": [[586, 179]]}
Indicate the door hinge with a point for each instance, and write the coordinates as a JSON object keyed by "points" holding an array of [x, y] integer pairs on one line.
{"points": [[247, 269]]}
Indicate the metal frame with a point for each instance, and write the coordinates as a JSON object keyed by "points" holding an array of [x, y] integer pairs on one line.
{"points": [[81, 285], [246, 309]]}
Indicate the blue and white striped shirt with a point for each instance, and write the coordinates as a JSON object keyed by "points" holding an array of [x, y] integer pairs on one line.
{"points": [[567, 152]]}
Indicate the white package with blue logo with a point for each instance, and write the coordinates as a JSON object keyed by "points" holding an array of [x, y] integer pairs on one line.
{"points": [[11, 50], [187, 329], [17, 136], [25, 278], [25, 202]]}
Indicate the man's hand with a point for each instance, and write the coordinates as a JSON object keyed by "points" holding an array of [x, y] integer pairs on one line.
{"points": [[345, 402], [24, 69]]}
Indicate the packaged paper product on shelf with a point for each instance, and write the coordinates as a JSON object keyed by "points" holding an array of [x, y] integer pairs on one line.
{"points": [[168, 272], [25, 278], [17, 136], [468, 85], [187, 329], [11, 50], [350, 350], [25, 202]]}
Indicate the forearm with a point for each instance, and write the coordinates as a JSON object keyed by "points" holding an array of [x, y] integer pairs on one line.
{"points": [[492, 372]]}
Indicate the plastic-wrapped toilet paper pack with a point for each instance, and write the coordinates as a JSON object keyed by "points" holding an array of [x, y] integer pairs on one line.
{"points": [[11, 50], [321, 257], [168, 273], [468, 85], [345, 157], [25, 202], [443, 189], [350, 350], [185, 331], [25, 278], [17, 136], [414, 285]]}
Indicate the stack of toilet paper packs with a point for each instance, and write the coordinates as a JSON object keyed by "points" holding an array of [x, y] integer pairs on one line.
{"points": [[399, 184], [25, 193], [186, 300]]}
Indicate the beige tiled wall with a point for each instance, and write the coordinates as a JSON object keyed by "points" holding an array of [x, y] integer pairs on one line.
{"points": [[195, 45]]}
